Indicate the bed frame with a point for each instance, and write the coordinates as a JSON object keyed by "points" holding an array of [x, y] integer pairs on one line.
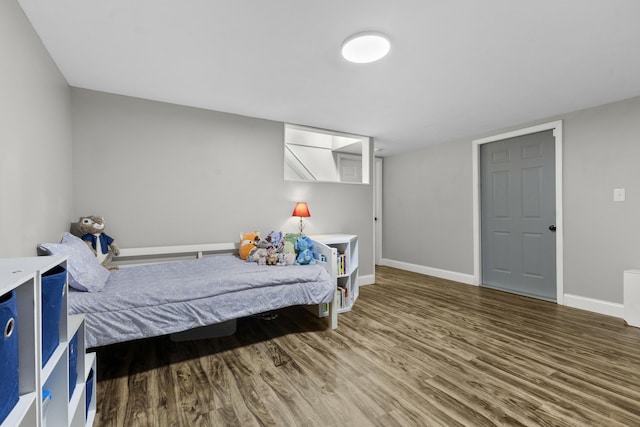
{"points": [[326, 256]]}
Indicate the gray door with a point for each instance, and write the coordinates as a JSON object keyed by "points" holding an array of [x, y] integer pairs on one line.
{"points": [[517, 185]]}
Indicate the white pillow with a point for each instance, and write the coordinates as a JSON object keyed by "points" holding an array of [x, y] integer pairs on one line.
{"points": [[85, 272]]}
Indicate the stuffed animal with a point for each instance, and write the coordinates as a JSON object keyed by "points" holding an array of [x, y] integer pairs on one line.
{"points": [[272, 256], [290, 243], [305, 255], [289, 259], [276, 241], [259, 252], [261, 256], [103, 245], [275, 237], [248, 243]]}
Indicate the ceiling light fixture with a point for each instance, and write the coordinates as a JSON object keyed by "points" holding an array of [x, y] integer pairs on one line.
{"points": [[365, 47]]}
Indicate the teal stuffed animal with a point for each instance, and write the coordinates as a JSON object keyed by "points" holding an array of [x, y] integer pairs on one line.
{"points": [[303, 247]]}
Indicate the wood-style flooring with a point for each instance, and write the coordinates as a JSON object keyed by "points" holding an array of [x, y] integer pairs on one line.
{"points": [[414, 351]]}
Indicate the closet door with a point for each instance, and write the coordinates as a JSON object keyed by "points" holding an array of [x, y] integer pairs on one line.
{"points": [[518, 215]]}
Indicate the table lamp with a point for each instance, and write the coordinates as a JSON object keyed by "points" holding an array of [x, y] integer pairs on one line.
{"points": [[301, 210]]}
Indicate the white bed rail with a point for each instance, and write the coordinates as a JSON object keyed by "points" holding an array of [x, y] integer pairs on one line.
{"points": [[180, 250], [326, 257]]}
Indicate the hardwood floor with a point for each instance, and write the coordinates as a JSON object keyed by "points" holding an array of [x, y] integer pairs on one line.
{"points": [[415, 351]]}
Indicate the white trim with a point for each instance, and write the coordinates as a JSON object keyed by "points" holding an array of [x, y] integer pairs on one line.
{"points": [[365, 280], [377, 209], [597, 306], [575, 301], [556, 126], [178, 250], [430, 271]]}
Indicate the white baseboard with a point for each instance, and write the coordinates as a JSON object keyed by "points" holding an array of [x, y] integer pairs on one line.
{"points": [[595, 305], [430, 271], [584, 303], [368, 279]]}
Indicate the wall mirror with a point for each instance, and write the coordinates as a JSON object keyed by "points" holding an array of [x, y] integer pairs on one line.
{"points": [[320, 155]]}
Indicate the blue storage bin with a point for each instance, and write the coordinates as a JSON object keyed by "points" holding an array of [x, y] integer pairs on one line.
{"points": [[73, 364], [8, 353], [88, 393], [46, 401], [53, 283]]}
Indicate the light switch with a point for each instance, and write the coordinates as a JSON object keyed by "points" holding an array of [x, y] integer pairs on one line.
{"points": [[618, 195]]}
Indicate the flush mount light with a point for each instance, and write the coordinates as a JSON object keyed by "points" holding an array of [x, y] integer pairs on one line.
{"points": [[365, 47]]}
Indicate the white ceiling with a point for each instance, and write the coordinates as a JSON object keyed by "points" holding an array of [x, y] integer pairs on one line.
{"points": [[457, 68]]}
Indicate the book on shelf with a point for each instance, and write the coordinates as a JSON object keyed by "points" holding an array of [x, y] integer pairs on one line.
{"points": [[344, 296], [342, 264]]}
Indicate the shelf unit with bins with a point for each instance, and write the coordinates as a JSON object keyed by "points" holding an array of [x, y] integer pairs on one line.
{"points": [[66, 407], [25, 412], [346, 246]]}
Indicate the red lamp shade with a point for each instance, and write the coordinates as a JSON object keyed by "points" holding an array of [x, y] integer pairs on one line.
{"points": [[301, 210]]}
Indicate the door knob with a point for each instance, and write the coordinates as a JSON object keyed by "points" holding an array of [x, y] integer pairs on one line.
{"points": [[552, 227]]}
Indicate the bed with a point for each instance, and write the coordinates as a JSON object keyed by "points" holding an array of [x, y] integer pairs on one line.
{"points": [[168, 297]]}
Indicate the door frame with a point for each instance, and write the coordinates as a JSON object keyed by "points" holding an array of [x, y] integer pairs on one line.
{"points": [[556, 126], [377, 210]]}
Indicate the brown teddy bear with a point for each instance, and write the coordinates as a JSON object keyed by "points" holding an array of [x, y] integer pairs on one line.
{"points": [[272, 256]]}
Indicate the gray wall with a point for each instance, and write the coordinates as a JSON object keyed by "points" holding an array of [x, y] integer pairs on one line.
{"points": [[602, 237], [35, 139], [427, 204], [163, 174]]}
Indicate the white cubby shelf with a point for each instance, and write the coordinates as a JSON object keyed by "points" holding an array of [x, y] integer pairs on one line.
{"points": [[67, 406], [347, 287]]}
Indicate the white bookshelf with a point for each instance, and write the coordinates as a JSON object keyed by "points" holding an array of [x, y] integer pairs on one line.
{"points": [[346, 246], [65, 408], [24, 413]]}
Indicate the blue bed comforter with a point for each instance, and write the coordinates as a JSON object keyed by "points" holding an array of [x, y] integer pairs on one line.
{"points": [[157, 299]]}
